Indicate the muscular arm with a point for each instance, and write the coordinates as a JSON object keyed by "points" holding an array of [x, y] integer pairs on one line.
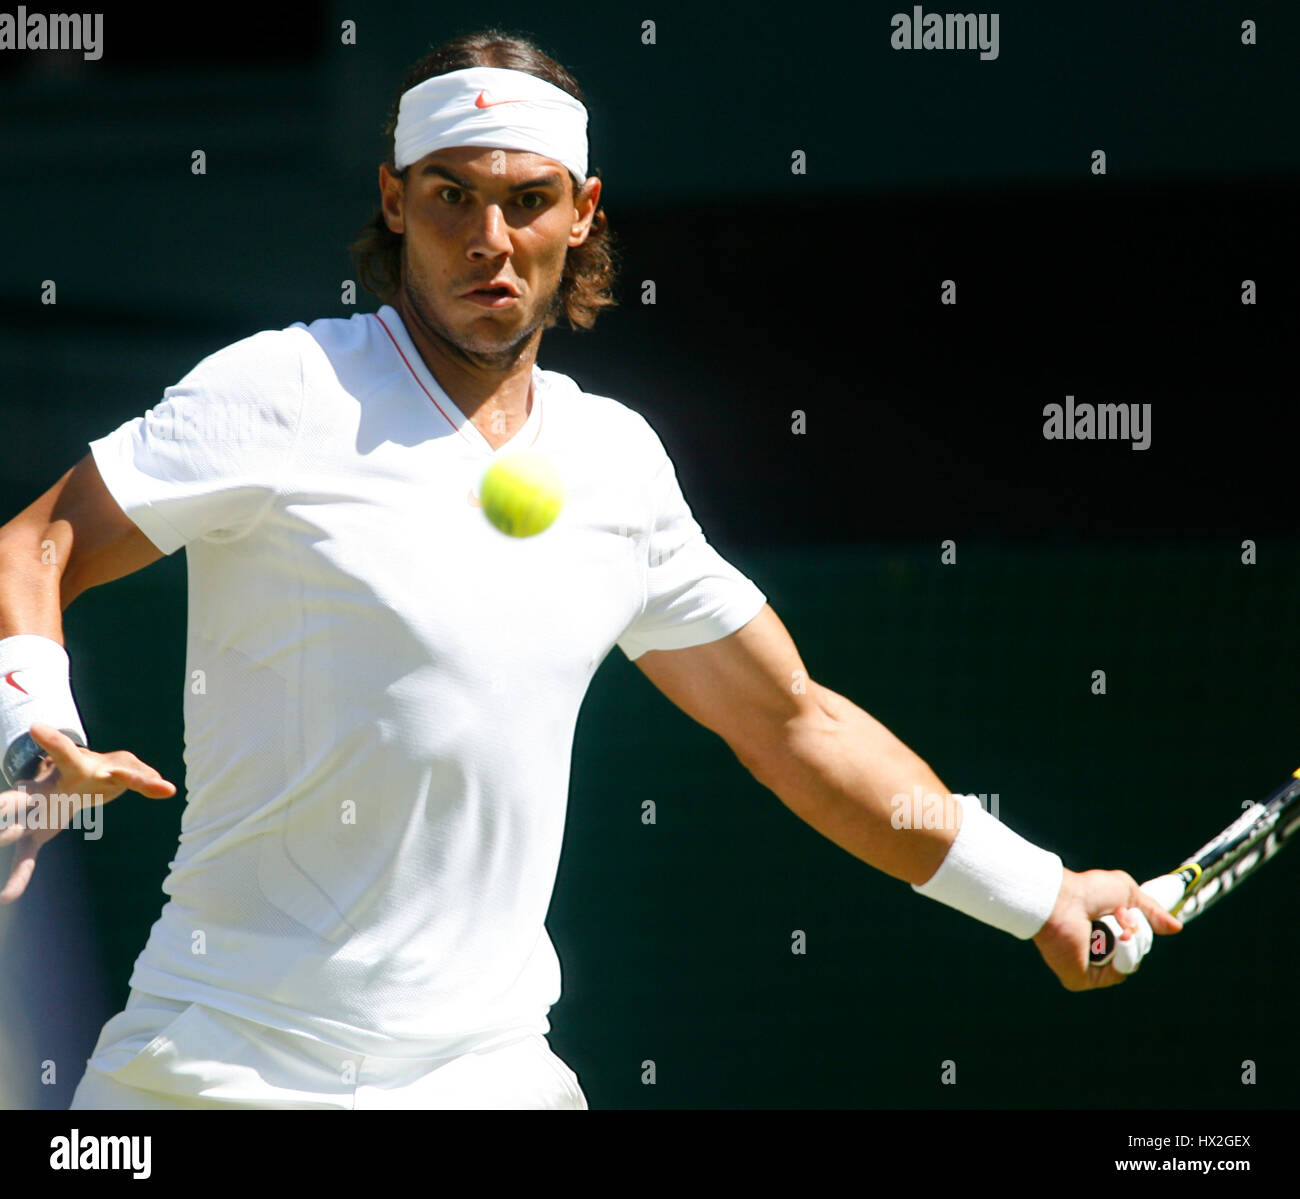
{"points": [[72, 538], [828, 761], [838, 769]]}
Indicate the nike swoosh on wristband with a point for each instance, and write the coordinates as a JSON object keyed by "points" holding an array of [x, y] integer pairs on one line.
{"points": [[9, 678], [481, 103], [474, 500]]}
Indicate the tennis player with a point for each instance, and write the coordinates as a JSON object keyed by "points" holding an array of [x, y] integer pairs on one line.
{"points": [[384, 688]]}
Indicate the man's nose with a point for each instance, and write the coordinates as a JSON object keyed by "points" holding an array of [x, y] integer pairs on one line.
{"points": [[492, 236]]}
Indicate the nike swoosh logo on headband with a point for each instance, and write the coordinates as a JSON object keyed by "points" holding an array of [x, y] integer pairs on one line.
{"points": [[481, 103]]}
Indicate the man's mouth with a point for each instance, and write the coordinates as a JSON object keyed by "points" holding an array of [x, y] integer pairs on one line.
{"points": [[505, 286], [492, 297]]}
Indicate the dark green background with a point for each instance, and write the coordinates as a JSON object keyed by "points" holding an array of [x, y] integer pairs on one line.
{"points": [[778, 293]]}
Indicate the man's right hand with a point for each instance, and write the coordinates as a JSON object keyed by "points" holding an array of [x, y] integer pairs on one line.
{"points": [[1064, 941], [68, 769]]}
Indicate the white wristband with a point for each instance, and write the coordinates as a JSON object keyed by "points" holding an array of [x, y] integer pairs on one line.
{"points": [[34, 689], [996, 875]]}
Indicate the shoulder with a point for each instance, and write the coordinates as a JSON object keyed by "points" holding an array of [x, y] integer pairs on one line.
{"points": [[270, 353], [610, 424], [357, 354], [278, 365], [360, 334], [249, 392], [284, 351]]}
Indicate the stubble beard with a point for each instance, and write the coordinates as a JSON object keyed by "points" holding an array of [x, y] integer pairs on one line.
{"points": [[421, 309]]}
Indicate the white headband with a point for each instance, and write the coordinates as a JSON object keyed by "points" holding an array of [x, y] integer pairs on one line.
{"points": [[493, 107]]}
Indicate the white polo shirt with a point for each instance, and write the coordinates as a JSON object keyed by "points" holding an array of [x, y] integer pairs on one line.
{"points": [[382, 689]]}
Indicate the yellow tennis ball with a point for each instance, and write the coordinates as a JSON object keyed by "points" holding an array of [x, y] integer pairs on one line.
{"points": [[521, 493]]}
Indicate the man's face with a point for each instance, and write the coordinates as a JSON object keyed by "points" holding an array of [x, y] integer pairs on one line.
{"points": [[473, 217]]}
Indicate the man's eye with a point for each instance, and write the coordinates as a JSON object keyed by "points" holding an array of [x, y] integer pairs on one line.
{"points": [[452, 195]]}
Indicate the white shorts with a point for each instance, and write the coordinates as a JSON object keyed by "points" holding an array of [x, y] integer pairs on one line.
{"points": [[163, 1053]]}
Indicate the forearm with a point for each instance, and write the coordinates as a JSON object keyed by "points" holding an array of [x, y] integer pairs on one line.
{"points": [[32, 555], [839, 770]]}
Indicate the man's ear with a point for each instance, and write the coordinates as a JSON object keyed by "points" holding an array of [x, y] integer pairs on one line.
{"points": [[390, 199], [585, 204]]}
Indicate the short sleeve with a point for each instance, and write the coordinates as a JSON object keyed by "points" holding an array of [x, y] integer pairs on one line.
{"points": [[693, 595], [209, 458]]}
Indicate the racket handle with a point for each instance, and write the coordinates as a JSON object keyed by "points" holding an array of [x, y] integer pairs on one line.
{"points": [[1166, 890], [1106, 933]]}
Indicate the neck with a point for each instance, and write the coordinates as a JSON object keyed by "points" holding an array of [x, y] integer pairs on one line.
{"points": [[487, 388]]}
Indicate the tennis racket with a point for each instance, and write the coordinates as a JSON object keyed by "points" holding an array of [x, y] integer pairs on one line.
{"points": [[1216, 869]]}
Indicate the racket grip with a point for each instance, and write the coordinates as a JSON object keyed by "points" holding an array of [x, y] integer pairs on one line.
{"points": [[1166, 890], [1106, 933]]}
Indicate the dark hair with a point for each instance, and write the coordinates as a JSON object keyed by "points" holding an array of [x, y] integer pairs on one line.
{"points": [[589, 269]]}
